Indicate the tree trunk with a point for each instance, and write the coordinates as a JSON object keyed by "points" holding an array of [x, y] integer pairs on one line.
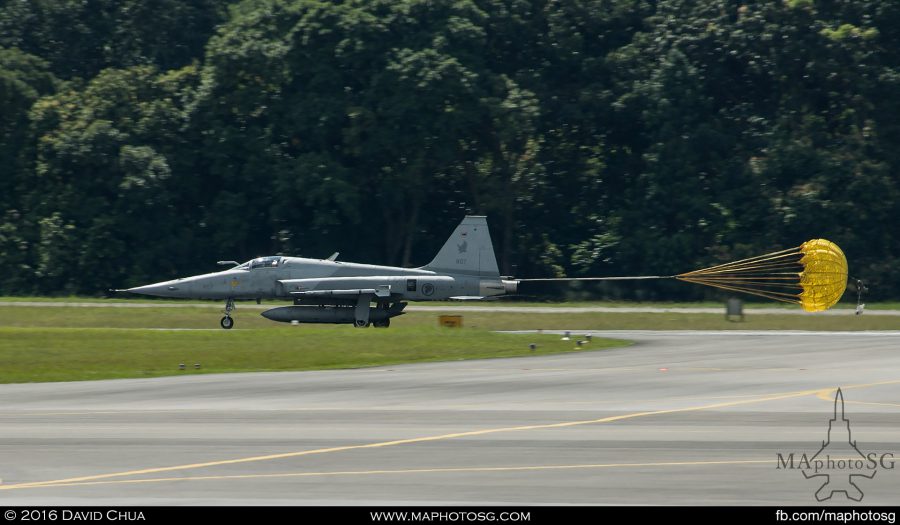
{"points": [[411, 226]]}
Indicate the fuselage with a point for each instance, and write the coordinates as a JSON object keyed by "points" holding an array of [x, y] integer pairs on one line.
{"points": [[277, 277], [331, 291]]}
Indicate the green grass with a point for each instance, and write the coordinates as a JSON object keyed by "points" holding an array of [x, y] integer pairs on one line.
{"points": [[246, 318], [73, 354], [79, 343]]}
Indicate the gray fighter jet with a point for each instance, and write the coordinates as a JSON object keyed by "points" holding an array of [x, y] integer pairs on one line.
{"points": [[332, 291]]}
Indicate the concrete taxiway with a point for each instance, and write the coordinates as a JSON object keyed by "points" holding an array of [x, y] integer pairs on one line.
{"points": [[677, 418]]}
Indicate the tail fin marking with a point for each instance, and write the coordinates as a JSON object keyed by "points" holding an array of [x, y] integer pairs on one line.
{"points": [[468, 251]]}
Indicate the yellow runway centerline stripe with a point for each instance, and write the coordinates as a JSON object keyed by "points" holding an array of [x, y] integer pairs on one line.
{"points": [[438, 470], [828, 395], [425, 439]]}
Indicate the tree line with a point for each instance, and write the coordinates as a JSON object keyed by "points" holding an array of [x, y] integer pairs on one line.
{"points": [[145, 139]]}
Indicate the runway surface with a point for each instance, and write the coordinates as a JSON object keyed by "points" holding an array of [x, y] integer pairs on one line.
{"points": [[677, 418]]}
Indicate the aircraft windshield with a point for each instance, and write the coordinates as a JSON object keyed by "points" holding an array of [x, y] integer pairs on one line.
{"points": [[261, 262]]}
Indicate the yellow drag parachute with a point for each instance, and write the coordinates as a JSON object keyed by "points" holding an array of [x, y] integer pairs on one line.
{"points": [[813, 275]]}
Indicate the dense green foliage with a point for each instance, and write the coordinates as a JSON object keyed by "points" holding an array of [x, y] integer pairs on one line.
{"points": [[140, 140]]}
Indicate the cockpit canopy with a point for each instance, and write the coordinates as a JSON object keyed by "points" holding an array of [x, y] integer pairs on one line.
{"points": [[261, 262]]}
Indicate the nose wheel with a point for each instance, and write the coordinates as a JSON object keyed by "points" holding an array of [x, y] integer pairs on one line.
{"points": [[227, 322]]}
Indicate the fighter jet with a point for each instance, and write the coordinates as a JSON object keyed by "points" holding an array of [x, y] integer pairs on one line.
{"points": [[332, 291]]}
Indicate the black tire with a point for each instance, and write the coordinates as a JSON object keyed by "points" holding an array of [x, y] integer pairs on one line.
{"points": [[227, 322], [382, 324], [360, 324]]}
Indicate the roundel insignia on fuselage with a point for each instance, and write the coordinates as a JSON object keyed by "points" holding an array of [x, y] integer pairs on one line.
{"points": [[427, 289]]}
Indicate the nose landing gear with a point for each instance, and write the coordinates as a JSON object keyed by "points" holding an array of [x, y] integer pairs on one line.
{"points": [[227, 322]]}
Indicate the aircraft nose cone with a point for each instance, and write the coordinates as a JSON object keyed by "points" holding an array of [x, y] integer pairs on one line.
{"points": [[150, 289], [164, 289]]}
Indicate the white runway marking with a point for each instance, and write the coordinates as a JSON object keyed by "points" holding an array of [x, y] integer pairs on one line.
{"points": [[717, 333]]}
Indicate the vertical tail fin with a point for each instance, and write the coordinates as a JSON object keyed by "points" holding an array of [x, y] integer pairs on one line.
{"points": [[468, 251]]}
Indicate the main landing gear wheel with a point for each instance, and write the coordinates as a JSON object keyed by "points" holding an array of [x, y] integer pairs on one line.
{"points": [[382, 324], [359, 323]]}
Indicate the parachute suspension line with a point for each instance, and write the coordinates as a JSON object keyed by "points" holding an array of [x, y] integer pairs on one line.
{"points": [[813, 275], [625, 278], [774, 259], [776, 296], [773, 275]]}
